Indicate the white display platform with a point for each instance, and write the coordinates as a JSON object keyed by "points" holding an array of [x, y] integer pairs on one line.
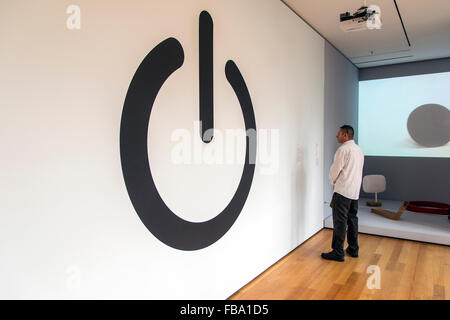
{"points": [[412, 225]]}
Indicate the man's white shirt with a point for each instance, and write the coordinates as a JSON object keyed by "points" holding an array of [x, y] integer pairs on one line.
{"points": [[346, 170]]}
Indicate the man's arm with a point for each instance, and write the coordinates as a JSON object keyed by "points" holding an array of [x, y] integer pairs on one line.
{"points": [[337, 166]]}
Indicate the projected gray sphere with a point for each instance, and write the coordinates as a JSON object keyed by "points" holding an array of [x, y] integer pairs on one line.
{"points": [[429, 125]]}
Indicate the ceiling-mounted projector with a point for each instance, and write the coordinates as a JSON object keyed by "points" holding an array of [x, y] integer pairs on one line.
{"points": [[365, 18]]}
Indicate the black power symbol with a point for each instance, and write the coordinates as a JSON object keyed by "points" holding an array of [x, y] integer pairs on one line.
{"points": [[157, 66]]}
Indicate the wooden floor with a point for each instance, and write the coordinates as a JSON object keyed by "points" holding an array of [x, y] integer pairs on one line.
{"points": [[407, 269]]}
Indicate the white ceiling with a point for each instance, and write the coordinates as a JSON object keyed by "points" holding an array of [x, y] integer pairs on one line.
{"points": [[427, 24]]}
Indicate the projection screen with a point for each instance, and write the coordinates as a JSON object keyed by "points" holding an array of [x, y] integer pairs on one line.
{"points": [[405, 116]]}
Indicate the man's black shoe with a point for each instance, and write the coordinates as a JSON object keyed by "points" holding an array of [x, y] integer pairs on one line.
{"points": [[332, 256], [351, 253]]}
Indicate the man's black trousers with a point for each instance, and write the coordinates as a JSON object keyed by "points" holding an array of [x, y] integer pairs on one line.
{"points": [[344, 219]]}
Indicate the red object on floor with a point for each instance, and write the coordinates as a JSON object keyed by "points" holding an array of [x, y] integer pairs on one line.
{"points": [[429, 207]]}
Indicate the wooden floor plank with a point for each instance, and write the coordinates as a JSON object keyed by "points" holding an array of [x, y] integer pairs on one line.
{"points": [[408, 270]]}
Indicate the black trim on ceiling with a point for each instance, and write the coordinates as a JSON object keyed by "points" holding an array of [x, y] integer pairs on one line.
{"points": [[401, 20], [380, 54], [385, 59]]}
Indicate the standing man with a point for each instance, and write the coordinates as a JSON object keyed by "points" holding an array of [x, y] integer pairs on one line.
{"points": [[345, 176]]}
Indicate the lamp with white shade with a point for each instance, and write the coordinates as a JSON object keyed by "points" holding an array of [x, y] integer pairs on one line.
{"points": [[374, 183]]}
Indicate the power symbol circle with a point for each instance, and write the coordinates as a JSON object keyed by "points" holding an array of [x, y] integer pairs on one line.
{"points": [[154, 70]]}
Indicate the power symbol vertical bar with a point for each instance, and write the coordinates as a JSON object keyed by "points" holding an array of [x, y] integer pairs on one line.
{"points": [[206, 77]]}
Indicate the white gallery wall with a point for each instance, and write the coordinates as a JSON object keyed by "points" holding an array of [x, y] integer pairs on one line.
{"points": [[340, 107], [67, 226]]}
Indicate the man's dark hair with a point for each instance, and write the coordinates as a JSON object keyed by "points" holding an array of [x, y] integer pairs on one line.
{"points": [[348, 130]]}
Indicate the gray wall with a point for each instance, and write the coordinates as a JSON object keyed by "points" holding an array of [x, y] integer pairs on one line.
{"points": [[405, 69], [410, 178], [341, 106]]}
